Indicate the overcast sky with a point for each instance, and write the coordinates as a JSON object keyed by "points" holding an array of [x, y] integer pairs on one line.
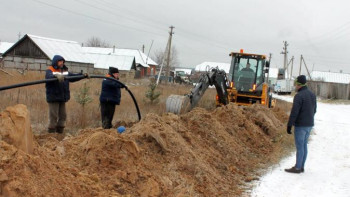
{"points": [[205, 30]]}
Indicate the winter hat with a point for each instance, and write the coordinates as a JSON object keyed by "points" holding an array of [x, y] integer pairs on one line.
{"points": [[301, 80], [113, 70], [55, 59]]}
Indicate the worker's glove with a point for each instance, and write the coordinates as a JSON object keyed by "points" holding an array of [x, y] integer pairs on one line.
{"points": [[289, 129], [60, 78], [86, 76]]}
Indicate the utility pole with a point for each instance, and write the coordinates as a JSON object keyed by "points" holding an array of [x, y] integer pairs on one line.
{"points": [[285, 52], [291, 70], [169, 53], [149, 50], [162, 63], [301, 61], [307, 70], [143, 48], [268, 73]]}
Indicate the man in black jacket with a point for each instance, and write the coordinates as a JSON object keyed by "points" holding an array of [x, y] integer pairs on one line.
{"points": [[110, 96], [302, 118], [247, 68], [57, 93]]}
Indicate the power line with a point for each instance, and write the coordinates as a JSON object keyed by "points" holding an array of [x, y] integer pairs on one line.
{"points": [[330, 37], [330, 40], [213, 43], [329, 58], [326, 38], [335, 31], [115, 6], [118, 15], [318, 55], [96, 19], [180, 30]]}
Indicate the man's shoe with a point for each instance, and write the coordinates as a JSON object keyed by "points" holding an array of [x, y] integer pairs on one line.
{"points": [[59, 129], [302, 170], [293, 170]]}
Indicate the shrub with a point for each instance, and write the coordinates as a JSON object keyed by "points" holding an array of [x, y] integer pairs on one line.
{"points": [[152, 96], [83, 98]]}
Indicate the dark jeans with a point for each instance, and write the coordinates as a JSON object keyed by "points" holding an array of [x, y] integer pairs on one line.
{"points": [[107, 112], [57, 115]]}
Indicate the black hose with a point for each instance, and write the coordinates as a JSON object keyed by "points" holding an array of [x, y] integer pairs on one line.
{"points": [[75, 77], [26, 84]]}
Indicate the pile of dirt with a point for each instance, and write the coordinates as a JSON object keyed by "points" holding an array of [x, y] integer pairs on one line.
{"points": [[200, 153], [15, 128]]}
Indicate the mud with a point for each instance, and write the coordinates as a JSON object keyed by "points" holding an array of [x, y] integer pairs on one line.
{"points": [[201, 153]]}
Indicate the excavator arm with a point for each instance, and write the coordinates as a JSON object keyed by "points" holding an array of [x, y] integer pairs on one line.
{"points": [[180, 104]]}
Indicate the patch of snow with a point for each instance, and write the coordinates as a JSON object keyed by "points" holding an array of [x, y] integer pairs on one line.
{"points": [[327, 168]]}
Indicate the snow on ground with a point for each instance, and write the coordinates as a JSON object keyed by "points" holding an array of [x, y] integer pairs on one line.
{"points": [[285, 98], [327, 168]]}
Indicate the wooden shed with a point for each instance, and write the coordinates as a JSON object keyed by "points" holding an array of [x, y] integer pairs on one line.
{"points": [[35, 53]]}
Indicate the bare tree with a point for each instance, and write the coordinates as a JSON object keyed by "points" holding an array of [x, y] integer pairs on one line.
{"points": [[97, 42], [159, 56]]}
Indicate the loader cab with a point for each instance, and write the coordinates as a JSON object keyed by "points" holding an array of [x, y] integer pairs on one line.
{"points": [[247, 72]]}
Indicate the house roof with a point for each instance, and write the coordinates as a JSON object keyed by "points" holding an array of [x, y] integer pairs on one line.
{"points": [[140, 57], [330, 77], [70, 50], [4, 46], [207, 65], [123, 59], [105, 61]]}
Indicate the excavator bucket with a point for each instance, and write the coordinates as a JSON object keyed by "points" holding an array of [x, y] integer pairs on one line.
{"points": [[178, 104]]}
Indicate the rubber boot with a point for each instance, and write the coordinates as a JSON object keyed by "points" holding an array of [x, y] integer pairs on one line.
{"points": [[59, 129], [51, 130]]}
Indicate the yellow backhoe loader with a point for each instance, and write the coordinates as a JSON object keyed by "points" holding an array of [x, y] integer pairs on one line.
{"points": [[245, 84]]}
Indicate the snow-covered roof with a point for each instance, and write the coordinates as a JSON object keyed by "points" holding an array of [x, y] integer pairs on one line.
{"points": [[101, 57], [205, 66], [330, 77], [105, 61], [70, 50], [4, 46], [140, 57]]}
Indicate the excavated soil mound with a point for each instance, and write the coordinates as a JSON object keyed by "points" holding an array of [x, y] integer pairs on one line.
{"points": [[200, 153]]}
